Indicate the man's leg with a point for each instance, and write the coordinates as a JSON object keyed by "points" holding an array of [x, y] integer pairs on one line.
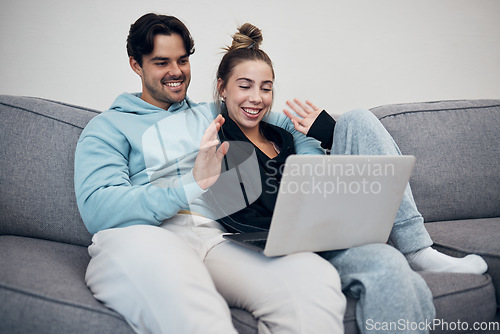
{"points": [[156, 281], [298, 293], [391, 295], [359, 132]]}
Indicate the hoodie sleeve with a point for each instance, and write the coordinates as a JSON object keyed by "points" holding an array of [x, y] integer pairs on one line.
{"points": [[105, 196], [303, 144]]}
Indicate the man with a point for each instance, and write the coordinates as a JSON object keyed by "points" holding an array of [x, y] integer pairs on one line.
{"points": [[140, 177]]}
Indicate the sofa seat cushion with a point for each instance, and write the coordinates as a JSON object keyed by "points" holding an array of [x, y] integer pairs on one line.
{"points": [[42, 284], [477, 236], [464, 298], [467, 298]]}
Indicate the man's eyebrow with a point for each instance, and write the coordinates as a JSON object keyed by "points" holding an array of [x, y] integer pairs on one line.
{"points": [[158, 58]]}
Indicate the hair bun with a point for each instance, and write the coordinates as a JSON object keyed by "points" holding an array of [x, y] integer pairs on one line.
{"points": [[247, 37]]}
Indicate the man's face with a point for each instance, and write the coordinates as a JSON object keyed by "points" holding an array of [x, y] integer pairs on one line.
{"points": [[165, 72]]}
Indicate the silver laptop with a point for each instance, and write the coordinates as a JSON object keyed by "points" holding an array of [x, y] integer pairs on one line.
{"points": [[333, 202]]}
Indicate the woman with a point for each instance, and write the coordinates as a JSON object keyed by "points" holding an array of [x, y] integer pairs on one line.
{"points": [[379, 275]]}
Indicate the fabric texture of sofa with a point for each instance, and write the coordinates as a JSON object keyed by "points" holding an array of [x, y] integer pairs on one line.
{"points": [[43, 241]]}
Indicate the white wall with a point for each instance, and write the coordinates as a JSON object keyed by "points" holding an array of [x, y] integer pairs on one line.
{"points": [[342, 54]]}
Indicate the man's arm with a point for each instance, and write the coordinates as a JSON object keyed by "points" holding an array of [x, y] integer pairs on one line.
{"points": [[105, 196]]}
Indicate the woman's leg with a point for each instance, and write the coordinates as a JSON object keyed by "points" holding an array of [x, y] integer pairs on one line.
{"points": [[391, 295], [359, 132], [156, 281], [298, 293]]}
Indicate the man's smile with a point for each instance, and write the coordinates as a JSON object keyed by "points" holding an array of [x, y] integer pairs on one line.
{"points": [[173, 84]]}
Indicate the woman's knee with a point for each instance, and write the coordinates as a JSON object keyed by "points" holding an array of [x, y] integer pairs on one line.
{"points": [[387, 257], [369, 260], [363, 118], [360, 132]]}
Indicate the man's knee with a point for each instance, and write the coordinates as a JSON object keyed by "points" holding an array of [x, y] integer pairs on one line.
{"points": [[315, 268], [141, 271], [306, 295], [141, 249], [135, 239]]}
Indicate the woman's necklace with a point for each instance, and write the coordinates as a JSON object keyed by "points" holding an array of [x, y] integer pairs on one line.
{"points": [[276, 148]]}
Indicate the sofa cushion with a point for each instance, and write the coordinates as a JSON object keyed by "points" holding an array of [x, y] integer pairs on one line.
{"points": [[43, 291], [43, 284], [467, 298], [457, 146], [38, 146], [477, 236]]}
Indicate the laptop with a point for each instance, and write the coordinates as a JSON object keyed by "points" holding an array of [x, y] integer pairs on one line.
{"points": [[332, 202]]}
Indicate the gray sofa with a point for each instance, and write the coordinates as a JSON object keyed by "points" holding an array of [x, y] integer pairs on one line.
{"points": [[43, 254]]}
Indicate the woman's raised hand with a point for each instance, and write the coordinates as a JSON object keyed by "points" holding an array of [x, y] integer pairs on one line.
{"points": [[207, 165], [308, 113]]}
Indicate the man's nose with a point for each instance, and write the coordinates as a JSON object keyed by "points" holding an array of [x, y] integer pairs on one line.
{"points": [[174, 70]]}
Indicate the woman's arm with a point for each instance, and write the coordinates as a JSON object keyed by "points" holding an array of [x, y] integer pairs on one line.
{"points": [[312, 121], [303, 144]]}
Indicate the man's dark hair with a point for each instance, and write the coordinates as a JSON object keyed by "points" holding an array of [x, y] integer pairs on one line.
{"points": [[140, 40]]}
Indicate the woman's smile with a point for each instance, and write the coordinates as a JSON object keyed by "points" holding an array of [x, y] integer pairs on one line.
{"points": [[251, 112]]}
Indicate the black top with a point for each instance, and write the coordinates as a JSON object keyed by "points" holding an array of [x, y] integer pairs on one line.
{"points": [[322, 130], [256, 216]]}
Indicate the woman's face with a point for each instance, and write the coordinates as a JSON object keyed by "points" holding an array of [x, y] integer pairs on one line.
{"points": [[248, 93]]}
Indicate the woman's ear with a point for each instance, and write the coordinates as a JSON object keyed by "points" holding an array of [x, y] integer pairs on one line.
{"points": [[220, 88], [135, 66]]}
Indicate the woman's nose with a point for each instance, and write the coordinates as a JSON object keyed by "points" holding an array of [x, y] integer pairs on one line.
{"points": [[255, 96]]}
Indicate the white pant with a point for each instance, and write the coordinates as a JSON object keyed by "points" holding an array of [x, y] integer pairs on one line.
{"points": [[181, 276]]}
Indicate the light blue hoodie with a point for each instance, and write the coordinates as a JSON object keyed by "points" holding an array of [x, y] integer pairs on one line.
{"points": [[134, 162]]}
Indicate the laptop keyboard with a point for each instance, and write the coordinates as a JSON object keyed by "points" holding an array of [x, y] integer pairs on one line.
{"points": [[260, 243]]}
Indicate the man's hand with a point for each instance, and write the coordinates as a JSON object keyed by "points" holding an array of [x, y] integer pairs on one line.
{"points": [[308, 114], [208, 161]]}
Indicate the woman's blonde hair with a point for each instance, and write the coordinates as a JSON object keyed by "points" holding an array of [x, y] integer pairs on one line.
{"points": [[245, 46]]}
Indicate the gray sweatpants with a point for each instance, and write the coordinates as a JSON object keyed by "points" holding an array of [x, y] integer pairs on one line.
{"points": [[392, 297]]}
